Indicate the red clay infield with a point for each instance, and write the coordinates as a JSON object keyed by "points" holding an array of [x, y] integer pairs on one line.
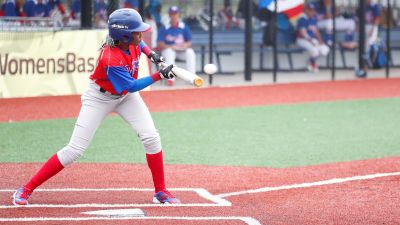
{"points": [[368, 201], [367, 192]]}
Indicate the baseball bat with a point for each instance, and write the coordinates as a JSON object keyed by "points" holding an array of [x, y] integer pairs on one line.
{"points": [[186, 75]]}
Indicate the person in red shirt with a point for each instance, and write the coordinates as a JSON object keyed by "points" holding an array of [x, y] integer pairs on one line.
{"points": [[114, 87]]}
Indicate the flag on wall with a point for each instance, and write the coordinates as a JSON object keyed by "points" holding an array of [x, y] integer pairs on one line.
{"points": [[292, 8]]}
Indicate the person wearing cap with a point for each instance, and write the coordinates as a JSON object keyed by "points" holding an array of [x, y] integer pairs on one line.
{"points": [[175, 41], [114, 87], [309, 38]]}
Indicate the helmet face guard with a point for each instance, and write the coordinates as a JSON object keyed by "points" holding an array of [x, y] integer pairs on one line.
{"points": [[123, 22]]}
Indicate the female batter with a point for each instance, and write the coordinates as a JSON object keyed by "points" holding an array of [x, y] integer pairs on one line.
{"points": [[114, 87]]}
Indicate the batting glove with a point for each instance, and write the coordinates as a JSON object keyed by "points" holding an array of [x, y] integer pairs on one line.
{"points": [[156, 58], [167, 73]]}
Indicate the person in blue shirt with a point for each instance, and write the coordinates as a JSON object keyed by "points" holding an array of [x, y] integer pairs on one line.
{"points": [[12, 8], [324, 9], [309, 38], [42, 9], [52, 4], [100, 15], [372, 20], [75, 14], [29, 8], [76, 10], [175, 41], [155, 10]]}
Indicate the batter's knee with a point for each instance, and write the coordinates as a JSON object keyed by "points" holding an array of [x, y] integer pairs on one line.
{"points": [[151, 142], [70, 154]]}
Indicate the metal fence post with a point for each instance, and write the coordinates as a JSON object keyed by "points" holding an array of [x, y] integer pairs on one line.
{"points": [[388, 19], [86, 14]]}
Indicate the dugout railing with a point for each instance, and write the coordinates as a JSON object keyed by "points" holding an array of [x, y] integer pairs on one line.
{"points": [[29, 24]]}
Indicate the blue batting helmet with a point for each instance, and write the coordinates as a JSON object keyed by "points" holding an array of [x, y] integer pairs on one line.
{"points": [[122, 22]]}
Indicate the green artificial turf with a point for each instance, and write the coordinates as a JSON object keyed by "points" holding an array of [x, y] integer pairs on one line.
{"points": [[274, 136]]}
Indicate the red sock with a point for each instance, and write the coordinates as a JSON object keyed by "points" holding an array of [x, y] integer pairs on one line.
{"points": [[49, 169], [156, 165]]}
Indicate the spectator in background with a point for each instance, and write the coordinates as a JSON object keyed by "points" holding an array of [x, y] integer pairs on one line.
{"points": [[41, 9], [175, 41], [226, 16], [242, 6], [324, 9], [155, 11], [29, 8], [372, 20], [154, 30], [309, 38], [52, 4], [2, 9], [75, 14], [14, 8], [133, 4], [240, 13], [100, 14]]}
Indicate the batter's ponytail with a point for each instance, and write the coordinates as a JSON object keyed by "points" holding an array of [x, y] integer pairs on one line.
{"points": [[109, 42]]}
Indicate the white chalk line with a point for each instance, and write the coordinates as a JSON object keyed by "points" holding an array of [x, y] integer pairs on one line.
{"points": [[102, 189], [216, 201], [247, 220], [94, 205], [309, 184]]}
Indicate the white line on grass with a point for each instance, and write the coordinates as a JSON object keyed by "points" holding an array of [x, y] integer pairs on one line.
{"points": [[247, 220], [309, 184]]}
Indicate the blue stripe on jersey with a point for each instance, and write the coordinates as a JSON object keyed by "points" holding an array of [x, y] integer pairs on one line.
{"points": [[122, 80], [142, 44]]}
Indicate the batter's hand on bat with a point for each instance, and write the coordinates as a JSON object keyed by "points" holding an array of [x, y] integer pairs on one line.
{"points": [[167, 73], [156, 58]]}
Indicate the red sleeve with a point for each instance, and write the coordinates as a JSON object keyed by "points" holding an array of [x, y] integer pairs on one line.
{"points": [[146, 50], [156, 76], [61, 8]]}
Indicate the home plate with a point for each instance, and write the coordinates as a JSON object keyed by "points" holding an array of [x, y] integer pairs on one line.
{"points": [[117, 212]]}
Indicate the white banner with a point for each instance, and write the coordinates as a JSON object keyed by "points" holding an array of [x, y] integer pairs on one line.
{"points": [[49, 63]]}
